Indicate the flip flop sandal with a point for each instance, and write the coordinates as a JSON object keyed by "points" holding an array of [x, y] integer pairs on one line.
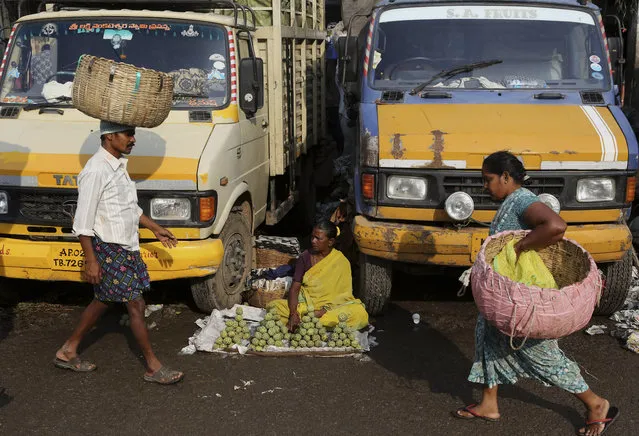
{"points": [[474, 415], [164, 376], [613, 414], [75, 364]]}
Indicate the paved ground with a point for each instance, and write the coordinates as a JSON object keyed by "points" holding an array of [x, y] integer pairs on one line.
{"points": [[407, 385]]}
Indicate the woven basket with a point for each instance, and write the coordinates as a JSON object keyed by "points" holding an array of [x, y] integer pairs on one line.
{"points": [[261, 297], [122, 93], [518, 310], [268, 258]]}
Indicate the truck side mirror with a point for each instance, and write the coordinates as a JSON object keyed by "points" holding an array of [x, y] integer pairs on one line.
{"points": [[251, 89], [348, 58]]}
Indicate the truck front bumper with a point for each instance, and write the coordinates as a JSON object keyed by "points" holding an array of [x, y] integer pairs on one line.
{"points": [[451, 246], [47, 260]]}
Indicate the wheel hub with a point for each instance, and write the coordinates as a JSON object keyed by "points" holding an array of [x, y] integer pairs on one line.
{"points": [[234, 265]]}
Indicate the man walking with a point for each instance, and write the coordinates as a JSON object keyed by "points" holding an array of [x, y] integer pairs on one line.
{"points": [[107, 221]]}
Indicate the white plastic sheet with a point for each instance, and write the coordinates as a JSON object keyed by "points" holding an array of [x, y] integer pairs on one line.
{"points": [[211, 326]]}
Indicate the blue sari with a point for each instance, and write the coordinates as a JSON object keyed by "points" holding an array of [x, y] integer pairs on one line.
{"points": [[540, 359]]}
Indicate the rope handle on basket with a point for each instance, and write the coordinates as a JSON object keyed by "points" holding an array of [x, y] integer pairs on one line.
{"points": [[514, 323], [161, 83], [111, 73]]}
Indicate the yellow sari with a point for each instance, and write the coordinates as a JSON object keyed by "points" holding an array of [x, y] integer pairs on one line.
{"points": [[328, 283]]}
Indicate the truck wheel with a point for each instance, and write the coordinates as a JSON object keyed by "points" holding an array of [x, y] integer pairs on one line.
{"points": [[375, 282], [224, 289], [617, 281]]}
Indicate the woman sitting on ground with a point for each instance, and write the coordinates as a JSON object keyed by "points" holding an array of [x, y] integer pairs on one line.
{"points": [[322, 283]]}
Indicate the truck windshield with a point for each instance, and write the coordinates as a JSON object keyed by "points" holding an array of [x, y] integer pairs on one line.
{"points": [[538, 48], [44, 55]]}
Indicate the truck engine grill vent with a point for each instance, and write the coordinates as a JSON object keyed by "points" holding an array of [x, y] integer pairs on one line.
{"points": [[474, 186], [9, 112], [47, 208], [590, 97], [392, 96], [200, 117]]}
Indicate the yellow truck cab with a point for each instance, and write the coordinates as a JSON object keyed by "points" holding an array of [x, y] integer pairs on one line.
{"points": [[247, 106], [439, 86]]}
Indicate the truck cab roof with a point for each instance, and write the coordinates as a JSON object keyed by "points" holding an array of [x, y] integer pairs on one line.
{"points": [[193, 10], [574, 3]]}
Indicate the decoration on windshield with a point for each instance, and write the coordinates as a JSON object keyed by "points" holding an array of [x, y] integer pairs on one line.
{"points": [[118, 37], [49, 29], [13, 72], [191, 33], [16, 99], [97, 27], [219, 67], [595, 59], [596, 67], [597, 76]]}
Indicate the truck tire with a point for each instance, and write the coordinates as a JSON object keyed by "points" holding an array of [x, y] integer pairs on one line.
{"points": [[617, 281], [375, 283], [224, 289]]}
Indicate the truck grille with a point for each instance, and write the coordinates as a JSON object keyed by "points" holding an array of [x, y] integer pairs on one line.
{"points": [[41, 208], [474, 186]]}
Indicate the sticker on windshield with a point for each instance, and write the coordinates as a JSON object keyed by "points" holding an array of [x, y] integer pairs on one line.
{"points": [[15, 99], [597, 76], [13, 72], [595, 67], [377, 58], [118, 37], [219, 66], [595, 59], [191, 33], [97, 27], [49, 29]]}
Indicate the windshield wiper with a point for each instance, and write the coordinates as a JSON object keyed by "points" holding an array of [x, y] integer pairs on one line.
{"points": [[447, 74], [187, 95], [59, 103]]}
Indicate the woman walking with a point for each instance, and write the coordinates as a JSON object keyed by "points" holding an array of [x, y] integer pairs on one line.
{"points": [[541, 359]]}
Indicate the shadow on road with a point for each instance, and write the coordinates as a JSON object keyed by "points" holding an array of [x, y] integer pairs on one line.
{"points": [[423, 352]]}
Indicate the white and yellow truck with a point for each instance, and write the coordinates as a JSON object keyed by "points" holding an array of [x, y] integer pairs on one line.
{"points": [[247, 107]]}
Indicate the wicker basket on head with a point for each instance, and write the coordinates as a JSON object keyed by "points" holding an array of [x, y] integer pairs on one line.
{"points": [[525, 311], [122, 93]]}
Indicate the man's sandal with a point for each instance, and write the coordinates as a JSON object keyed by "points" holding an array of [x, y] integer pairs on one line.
{"points": [[164, 376], [75, 364]]}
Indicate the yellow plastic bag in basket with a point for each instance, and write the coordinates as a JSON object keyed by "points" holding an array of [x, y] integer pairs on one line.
{"points": [[529, 269]]}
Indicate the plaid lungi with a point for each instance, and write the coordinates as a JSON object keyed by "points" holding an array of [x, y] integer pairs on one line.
{"points": [[124, 273]]}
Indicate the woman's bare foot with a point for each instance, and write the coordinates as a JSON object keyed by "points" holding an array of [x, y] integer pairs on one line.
{"points": [[596, 413]]}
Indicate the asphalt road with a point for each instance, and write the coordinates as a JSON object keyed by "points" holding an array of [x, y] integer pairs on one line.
{"points": [[408, 385]]}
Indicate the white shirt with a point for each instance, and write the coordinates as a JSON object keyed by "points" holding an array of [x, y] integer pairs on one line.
{"points": [[108, 202]]}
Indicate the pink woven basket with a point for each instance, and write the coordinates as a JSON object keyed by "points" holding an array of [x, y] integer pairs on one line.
{"points": [[521, 311]]}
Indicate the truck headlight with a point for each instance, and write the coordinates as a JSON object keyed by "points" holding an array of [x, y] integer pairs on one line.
{"points": [[460, 206], [592, 190], [4, 203], [170, 208], [551, 201], [406, 188]]}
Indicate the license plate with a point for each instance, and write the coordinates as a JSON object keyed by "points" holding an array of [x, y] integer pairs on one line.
{"points": [[67, 259]]}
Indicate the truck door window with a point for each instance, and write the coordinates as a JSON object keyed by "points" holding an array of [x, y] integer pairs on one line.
{"points": [[41, 64], [539, 47]]}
